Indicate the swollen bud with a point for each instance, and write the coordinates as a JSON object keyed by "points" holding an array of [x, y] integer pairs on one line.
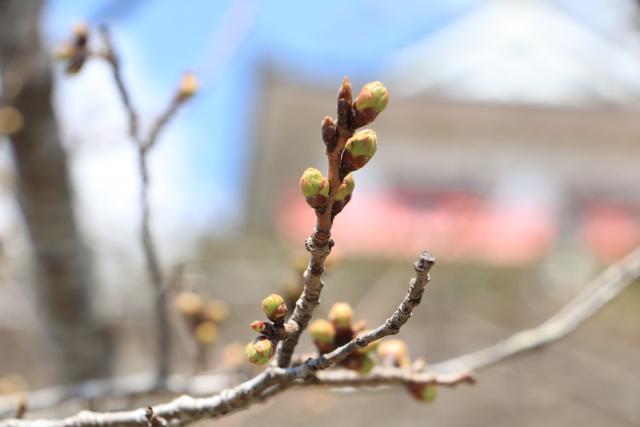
{"points": [[274, 308], [394, 352], [189, 303], [340, 315], [260, 350], [206, 332], [216, 310], [188, 86], [358, 150], [315, 188], [323, 334], [359, 362], [370, 102], [424, 392], [346, 188]]}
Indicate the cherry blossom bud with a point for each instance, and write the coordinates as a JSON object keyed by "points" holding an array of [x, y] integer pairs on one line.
{"points": [[340, 315], [358, 150], [370, 102], [315, 188], [260, 350], [274, 308]]}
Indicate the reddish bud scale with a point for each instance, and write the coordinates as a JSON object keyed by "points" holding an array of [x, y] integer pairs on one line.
{"points": [[329, 133], [258, 326]]}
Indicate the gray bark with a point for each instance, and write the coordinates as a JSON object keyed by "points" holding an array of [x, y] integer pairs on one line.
{"points": [[62, 278]]}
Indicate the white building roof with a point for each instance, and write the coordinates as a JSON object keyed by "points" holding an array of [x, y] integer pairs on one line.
{"points": [[527, 51]]}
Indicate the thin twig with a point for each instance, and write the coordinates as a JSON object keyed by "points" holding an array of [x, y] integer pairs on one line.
{"points": [[272, 381], [319, 244], [113, 59], [161, 322], [120, 387], [600, 291]]}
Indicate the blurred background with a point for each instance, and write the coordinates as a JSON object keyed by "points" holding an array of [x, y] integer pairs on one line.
{"points": [[510, 149]]}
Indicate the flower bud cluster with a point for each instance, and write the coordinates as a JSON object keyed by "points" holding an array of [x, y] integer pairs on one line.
{"points": [[262, 348], [356, 152], [201, 316]]}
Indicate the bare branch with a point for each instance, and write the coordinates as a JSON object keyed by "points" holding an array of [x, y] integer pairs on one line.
{"points": [[163, 337], [387, 376], [272, 381], [600, 291], [113, 59], [391, 326]]}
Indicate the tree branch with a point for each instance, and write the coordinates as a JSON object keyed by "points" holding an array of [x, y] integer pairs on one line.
{"points": [[600, 291], [319, 244], [163, 336], [272, 381]]}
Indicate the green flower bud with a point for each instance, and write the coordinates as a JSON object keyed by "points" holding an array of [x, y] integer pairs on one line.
{"points": [[370, 102], [358, 150], [359, 362], [346, 187], [260, 350], [315, 188], [394, 352], [340, 315], [424, 392], [322, 331], [366, 365], [275, 308]]}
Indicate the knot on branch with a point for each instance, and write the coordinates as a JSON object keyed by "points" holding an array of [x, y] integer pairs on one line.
{"points": [[153, 420], [425, 262]]}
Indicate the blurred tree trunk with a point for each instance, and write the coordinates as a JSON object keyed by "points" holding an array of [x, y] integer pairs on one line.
{"points": [[63, 266]]}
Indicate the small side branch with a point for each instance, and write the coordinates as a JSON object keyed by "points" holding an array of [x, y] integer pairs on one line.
{"points": [[187, 88]]}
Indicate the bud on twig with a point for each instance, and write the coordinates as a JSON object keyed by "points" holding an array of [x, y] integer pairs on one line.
{"points": [[329, 133], [424, 392], [345, 99], [323, 334], [358, 150], [260, 350], [343, 194], [274, 308], [340, 315], [370, 102], [315, 188], [189, 304], [206, 332], [188, 87], [394, 352]]}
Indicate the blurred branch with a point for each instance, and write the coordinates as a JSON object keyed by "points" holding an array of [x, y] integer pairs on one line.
{"points": [[163, 335], [273, 380], [600, 291]]}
